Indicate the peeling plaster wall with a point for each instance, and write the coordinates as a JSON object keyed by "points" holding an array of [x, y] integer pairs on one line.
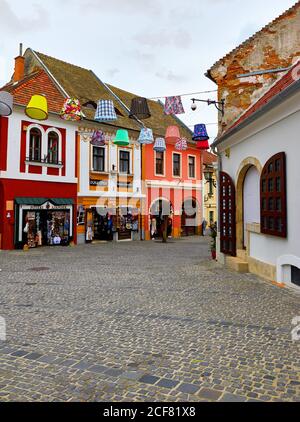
{"points": [[276, 46]]}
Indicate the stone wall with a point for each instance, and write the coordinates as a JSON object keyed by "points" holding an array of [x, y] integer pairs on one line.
{"points": [[275, 46]]}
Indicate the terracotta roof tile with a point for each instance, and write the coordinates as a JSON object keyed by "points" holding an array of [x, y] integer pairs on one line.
{"points": [[85, 85], [36, 83]]}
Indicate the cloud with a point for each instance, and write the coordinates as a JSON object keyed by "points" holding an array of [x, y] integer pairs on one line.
{"points": [[10, 22], [112, 72], [169, 75], [178, 38], [125, 6]]}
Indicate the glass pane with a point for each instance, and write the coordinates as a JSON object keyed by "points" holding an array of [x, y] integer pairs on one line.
{"points": [[278, 184], [270, 185], [278, 204]]}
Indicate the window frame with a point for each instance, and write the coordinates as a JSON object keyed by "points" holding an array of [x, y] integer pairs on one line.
{"points": [[50, 138], [269, 198], [104, 159], [32, 150], [129, 152], [180, 164], [163, 164], [195, 166]]}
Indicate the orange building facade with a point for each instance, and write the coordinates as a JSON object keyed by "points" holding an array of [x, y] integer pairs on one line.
{"points": [[173, 188]]}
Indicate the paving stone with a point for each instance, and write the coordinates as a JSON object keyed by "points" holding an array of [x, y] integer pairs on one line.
{"points": [[148, 379], [177, 318], [167, 383], [209, 394], [98, 369], [188, 388], [227, 397], [33, 356]]}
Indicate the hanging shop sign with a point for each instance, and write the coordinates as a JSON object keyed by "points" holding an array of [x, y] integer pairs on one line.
{"points": [[98, 183]]}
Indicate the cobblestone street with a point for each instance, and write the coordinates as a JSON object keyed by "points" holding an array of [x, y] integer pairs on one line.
{"points": [[143, 322]]}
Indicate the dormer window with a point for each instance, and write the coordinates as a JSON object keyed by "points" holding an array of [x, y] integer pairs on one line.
{"points": [[35, 145]]}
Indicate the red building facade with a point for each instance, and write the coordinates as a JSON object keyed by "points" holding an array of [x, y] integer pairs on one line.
{"points": [[38, 169]]}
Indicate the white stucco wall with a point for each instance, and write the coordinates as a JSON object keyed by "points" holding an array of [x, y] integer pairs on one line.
{"points": [[276, 131], [14, 146]]}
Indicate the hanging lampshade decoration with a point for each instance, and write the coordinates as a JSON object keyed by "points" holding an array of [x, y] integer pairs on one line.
{"points": [[203, 145], [105, 111], [139, 108], [200, 133], [98, 138], [181, 145], [172, 134], [122, 138], [37, 108], [160, 145], [146, 136], [6, 103], [71, 110]]}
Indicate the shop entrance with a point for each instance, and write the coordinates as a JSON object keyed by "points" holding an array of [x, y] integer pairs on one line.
{"points": [[189, 217], [100, 225], [160, 217], [46, 228]]}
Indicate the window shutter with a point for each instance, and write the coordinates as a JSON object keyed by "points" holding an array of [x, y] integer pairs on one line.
{"points": [[227, 214], [273, 197]]}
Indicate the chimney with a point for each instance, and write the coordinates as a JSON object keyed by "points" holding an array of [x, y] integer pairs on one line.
{"points": [[19, 66]]}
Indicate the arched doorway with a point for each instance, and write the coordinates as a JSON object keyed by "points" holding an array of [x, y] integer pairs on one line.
{"points": [[161, 217], [245, 190], [189, 217], [251, 200]]}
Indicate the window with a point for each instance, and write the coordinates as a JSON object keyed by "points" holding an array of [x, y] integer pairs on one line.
{"points": [[273, 197], [53, 143], [98, 159], [159, 169], [124, 162], [192, 167], [35, 145], [176, 165], [211, 217]]}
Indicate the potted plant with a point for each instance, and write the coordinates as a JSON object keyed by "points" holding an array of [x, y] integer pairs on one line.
{"points": [[213, 245]]}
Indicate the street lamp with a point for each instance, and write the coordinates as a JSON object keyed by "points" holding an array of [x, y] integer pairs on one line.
{"points": [[220, 105]]}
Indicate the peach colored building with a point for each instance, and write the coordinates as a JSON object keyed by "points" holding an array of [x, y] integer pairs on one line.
{"points": [[173, 184]]}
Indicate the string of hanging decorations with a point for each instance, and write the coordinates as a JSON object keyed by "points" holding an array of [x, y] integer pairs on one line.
{"points": [[185, 95], [37, 109]]}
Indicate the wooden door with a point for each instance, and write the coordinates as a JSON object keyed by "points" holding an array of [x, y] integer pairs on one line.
{"points": [[227, 215]]}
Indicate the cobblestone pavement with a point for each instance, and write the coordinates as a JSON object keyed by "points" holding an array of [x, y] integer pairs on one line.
{"points": [[143, 322]]}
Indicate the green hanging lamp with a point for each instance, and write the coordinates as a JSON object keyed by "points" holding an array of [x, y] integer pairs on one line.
{"points": [[122, 138]]}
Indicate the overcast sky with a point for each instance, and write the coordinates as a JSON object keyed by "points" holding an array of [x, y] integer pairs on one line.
{"points": [[150, 47]]}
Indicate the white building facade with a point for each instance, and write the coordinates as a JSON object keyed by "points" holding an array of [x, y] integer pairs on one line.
{"points": [[259, 194]]}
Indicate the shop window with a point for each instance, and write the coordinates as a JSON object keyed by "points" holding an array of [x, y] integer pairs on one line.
{"points": [[125, 162], [273, 197], [35, 145], [53, 148], [192, 167], [160, 157], [99, 159], [176, 165]]}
